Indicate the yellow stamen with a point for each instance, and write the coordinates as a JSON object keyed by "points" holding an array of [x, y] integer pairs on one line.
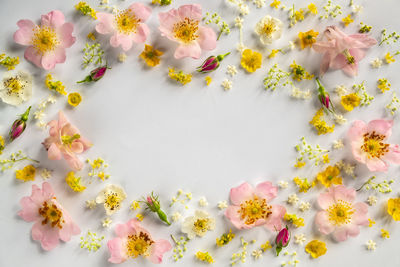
{"points": [[341, 212], [14, 85], [112, 201], [269, 28], [138, 245], [51, 214], [68, 140], [126, 21], [373, 145], [254, 209], [186, 30], [44, 39]]}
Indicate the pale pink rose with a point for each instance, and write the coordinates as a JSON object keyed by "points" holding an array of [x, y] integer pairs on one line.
{"points": [[182, 25], [250, 207], [342, 51], [52, 221], [131, 233], [126, 26], [368, 144], [65, 141], [340, 215], [47, 42]]}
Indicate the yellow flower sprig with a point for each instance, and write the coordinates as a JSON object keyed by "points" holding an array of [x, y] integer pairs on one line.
{"points": [[54, 85], [306, 151], [98, 168], [2, 146], [242, 254], [204, 257], [293, 219], [9, 62], [331, 10], [216, 19], [91, 241], [179, 76], [86, 9], [276, 77], [74, 182], [9, 163], [365, 98], [394, 104], [320, 124], [382, 187], [299, 73], [384, 85], [225, 238], [180, 247], [303, 184], [92, 53]]}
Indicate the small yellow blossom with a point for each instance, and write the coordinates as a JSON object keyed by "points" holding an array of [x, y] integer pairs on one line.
{"points": [[26, 174], [370, 222], [151, 56], [275, 4], [312, 8], [9, 62], [316, 248], [225, 238], [251, 60], [330, 176], [85, 9], [74, 99], [389, 58], [393, 208], [134, 205], [91, 36], [299, 14], [205, 257], [55, 85], [208, 80], [183, 78], [325, 159], [266, 246], [303, 184], [273, 53], [299, 73], [307, 38], [292, 218], [140, 217], [350, 101], [320, 124], [74, 182], [384, 233], [299, 164], [347, 20], [384, 85]]}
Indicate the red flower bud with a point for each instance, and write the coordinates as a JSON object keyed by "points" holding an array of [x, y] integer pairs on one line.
{"points": [[95, 74], [211, 63], [324, 98], [282, 240], [19, 125]]}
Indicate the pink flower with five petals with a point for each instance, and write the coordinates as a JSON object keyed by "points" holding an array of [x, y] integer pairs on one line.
{"points": [[342, 51], [251, 207], [340, 215], [369, 147], [134, 241], [65, 141], [52, 222], [47, 42], [182, 25], [127, 26]]}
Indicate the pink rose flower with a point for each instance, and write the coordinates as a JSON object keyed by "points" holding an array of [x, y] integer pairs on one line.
{"points": [[47, 42], [127, 26], [368, 144], [340, 215], [65, 141], [133, 241], [182, 26], [342, 51], [251, 207], [52, 222]]}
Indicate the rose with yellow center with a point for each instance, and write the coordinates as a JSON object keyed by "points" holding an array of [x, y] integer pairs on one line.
{"points": [[374, 146], [341, 213], [198, 225], [51, 214], [253, 210], [44, 39], [126, 22], [111, 196], [269, 29], [186, 30], [138, 244]]}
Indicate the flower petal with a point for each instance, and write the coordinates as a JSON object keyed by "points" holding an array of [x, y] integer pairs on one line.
{"points": [[274, 221], [323, 223], [383, 127], [266, 190], [65, 31], [158, 249], [141, 34], [241, 193], [33, 56], [232, 213], [360, 216], [106, 23], [29, 212], [393, 155], [54, 152], [190, 11], [192, 50], [207, 38], [115, 247], [141, 11], [24, 35], [53, 19]]}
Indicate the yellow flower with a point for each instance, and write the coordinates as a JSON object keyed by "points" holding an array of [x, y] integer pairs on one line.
{"points": [[85, 9], [307, 38], [91, 36], [8, 62], [299, 164], [325, 158], [204, 256], [179, 76], [299, 73], [384, 85], [135, 205], [74, 99], [1, 144], [350, 101], [151, 56], [55, 85], [384, 233], [312, 8], [330, 176], [74, 182], [316, 248], [208, 80], [251, 60], [393, 208], [140, 216], [225, 238], [266, 246], [389, 58], [320, 124], [370, 222], [26, 174], [347, 20], [273, 53], [292, 218], [275, 4], [303, 184], [299, 15]]}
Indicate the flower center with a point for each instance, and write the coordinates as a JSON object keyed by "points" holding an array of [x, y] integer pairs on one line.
{"points": [[127, 22], [201, 225], [51, 214], [138, 245], [44, 39], [112, 201], [341, 212], [254, 209], [350, 59], [186, 30], [68, 140], [268, 28], [373, 145], [14, 85]]}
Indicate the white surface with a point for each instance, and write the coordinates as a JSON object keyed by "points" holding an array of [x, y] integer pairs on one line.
{"points": [[159, 136]]}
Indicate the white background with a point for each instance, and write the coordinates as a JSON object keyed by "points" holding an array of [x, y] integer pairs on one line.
{"points": [[159, 136]]}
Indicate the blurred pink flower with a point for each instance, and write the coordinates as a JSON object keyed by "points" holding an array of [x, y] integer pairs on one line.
{"points": [[127, 26], [251, 207], [342, 51], [369, 147], [65, 140], [52, 222], [47, 42], [134, 241], [182, 25], [340, 215]]}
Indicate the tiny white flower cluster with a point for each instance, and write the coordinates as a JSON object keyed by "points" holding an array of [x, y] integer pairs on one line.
{"points": [[338, 144], [304, 206], [300, 94], [39, 113], [299, 239], [293, 199], [372, 200], [222, 205], [283, 184]]}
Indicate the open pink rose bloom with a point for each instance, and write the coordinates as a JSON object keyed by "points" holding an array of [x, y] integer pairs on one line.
{"points": [[342, 51], [340, 215], [65, 141], [182, 25], [127, 26], [134, 241], [47, 42], [368, 144], [52, 222], [251, 207]]}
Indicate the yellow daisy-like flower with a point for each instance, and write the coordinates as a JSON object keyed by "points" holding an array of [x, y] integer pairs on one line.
{"points": [[74, 182], [330, 176], [389, 58], [316, 248], [299, 15], [74, 99], [307, 38], [26, 174], [1, 144], [350, 101], [347, 20], [384, 233], [251, 60], [312, 8], [151, 56], [275, 4], [393, 208]]}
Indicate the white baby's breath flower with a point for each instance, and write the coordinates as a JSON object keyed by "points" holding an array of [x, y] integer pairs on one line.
{"points": [[46, 173], [341, 90], [238, 22], [257, 254], [122, 57], [304, 206], [226, 84], [259, 3], [339, 119], [222, 205], [198, 225], [203, 202], [241, 48], [231, 70], [371, 245], [244, 9], [106, 222], [300, 239], [293, 199], [269, 29], [372, 200], [52, 99], [112, 197], [376, 63], [338, 144], [91, 204], [283, 184], [357, 8], [176, 216], [16, 88]]}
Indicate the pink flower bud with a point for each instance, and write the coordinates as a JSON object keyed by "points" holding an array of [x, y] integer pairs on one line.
{"points": [[95, 74], [282, 240], [19, 125], [211, 63], [324, 98], [149, 200]]}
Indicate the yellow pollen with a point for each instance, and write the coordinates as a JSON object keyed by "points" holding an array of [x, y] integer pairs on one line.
{"points": [[201, 225], [112, 201], [14, 85], [44, 39], [268, 28], [373, 145], [51, 214], [340, 213], [126, 21], [138, 245], [186, 30], [68, 140], [254, 209]]}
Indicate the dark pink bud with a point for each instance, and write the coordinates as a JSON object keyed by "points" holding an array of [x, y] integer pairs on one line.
{"points": [[324, 98], [19, 125], [95, 74], [211, 63], [282, 240], [149, 200]]}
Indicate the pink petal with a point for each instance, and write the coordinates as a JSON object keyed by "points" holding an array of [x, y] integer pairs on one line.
{"points": [[323, 223], [190, 11], [29, 212], [48, 236], [158, 249], [357, 130], [62, 120], [73, 161], [241, 193], [49, 61], [121, 39], [342, 193], [54, 152], [24, 35], [115, 247], [33, 56], [393, 155], [351, 69], [274, 221], [141, 35], [376, 165], [360, 216], [266, 190], [53, 19], [123, 230], [325, 200], [207, 38], [365, 40], [141, 11], [383, 127], [65, 32], [342, 233], [167, 21], [339, 62], [37, 195], [47, 191], [232, 213], [358, 54], [77, 147], [192, 50], [106, 23]]}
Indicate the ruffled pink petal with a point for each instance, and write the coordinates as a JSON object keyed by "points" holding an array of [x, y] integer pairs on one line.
{"points": [[342, 233], [383, 127], [141, 11], [123, 230], [192, 50], [340, 192], [54, 152], [324, 47], [141, 34], [49, 61], [207, 38], [48, 236], [73, 161], [47, 191], [33, 56], [274, 221], [53, 19], [364, 40], [62, 120], [29, 212], [232, 213], [358, 54], [77, 147], [325, 200], [24, 35], [37, 195], [158, 249], [65, 32], [190, 11], [339, 62], [121, 39], [86, 143], [323, 223], [241, 193], [351, 69], [266, 190], [167, 21], [106, 23], [376, 165], [357, 130], [115, 247], [69, 130], [393, 155], [360, 216]]}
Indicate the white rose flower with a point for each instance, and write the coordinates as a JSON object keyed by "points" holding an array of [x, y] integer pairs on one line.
{"points": [[16, 88], [269, 29]]}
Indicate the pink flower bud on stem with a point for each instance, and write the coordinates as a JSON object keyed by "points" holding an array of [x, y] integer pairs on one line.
{"points": [[19, 125], [324, 97], [282, 240], [211, 63], [95, 74]]}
